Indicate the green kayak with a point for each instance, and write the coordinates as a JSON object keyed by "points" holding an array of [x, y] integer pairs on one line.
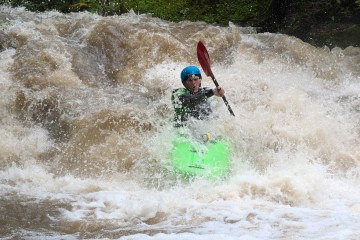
{"points": [[208, 158]]}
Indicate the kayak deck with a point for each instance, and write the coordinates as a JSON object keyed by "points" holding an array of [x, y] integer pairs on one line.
{"points": [[191, 158]]}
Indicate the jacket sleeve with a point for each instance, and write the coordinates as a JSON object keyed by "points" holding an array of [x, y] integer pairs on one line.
{"points": [[180, 108]]}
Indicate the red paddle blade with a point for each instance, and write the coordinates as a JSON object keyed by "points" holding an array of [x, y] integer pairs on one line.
{"points": [[204, 59]]}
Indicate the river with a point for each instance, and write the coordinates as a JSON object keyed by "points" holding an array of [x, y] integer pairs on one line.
{"points": [[86, 128]]}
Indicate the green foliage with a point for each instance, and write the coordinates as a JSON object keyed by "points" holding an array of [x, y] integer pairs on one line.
{"points": [[211, 11], [267, 13], [41, 5], [103, 7], [109, 7], [167, 9]]}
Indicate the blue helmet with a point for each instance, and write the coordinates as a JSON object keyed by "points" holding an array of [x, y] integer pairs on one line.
{"points": [[188, 71]]}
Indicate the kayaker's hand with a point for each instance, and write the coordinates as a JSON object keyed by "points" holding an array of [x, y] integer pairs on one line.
{"points": [[219, 91]]}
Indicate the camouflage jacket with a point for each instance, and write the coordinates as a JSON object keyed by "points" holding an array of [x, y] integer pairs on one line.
{"points": [[187, 104]]}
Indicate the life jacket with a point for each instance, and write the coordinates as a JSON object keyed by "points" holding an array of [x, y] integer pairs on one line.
{"points": [[187, 104]]}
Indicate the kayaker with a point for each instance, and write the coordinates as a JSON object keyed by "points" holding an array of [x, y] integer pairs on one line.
{"points": [[192, 101]]}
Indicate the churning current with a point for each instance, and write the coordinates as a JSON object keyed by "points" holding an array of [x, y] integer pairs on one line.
{"points": [[86, 129]]}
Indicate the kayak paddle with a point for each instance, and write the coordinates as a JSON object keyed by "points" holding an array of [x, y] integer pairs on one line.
{"points": [[204, 60]]}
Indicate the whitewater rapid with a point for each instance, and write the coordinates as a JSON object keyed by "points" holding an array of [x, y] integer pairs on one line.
{"points": [[86, 128]]}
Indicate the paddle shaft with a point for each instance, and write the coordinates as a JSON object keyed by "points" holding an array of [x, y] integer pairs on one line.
{"points": [[224, 98]]}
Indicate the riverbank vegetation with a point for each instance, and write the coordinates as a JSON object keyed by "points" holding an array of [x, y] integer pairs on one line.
{"points": [[320, 22]]}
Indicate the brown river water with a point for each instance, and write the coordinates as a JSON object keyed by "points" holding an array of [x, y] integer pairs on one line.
{"points": [[86, 129]]}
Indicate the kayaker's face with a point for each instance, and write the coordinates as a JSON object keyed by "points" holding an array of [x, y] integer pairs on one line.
{"points": [[193, 84]]}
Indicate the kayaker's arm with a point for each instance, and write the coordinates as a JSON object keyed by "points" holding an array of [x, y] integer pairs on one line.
{"points": [[219, 91]]}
